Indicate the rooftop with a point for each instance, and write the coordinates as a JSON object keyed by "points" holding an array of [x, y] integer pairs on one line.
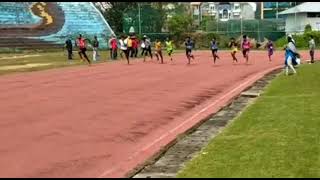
{"points": [[304, 7]]}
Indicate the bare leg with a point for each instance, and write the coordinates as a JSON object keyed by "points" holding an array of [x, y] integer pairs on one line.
{"points": [[160, 53]]}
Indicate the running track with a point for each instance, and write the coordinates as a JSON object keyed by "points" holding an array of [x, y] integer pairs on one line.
{"points": [[92, 121]]}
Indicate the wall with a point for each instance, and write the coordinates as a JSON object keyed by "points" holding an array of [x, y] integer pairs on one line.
{"points": [[247, 11], [298, 24]]}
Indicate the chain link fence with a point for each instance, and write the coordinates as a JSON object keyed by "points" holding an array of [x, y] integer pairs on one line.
{"points": [[145, 21], [258, 29]]}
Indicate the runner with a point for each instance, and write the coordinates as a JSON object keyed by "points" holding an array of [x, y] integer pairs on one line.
{"points": [[95, 46], [135, 45], [270, 49], [189, 45], [129, 45], [158, 50], [123, 47], [214, 50], [109, 45], [234, 49], [169, 47], [143, 46], [246, 47], [81, 43], [290, 56], [147, 48], [114, 47]]}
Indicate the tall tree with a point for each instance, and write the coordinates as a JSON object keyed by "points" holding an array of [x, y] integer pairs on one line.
{"points": [[179, 24], [162, 15], [114, 14]]}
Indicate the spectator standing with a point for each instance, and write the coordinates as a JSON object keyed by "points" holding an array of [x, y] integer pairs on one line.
{"points": [[95, 47], [312, 46], [68, 45]]}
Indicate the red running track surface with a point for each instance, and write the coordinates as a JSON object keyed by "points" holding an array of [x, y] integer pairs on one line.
{"points": [[85, 121]]}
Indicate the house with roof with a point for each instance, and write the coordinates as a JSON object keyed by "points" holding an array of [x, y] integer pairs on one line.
{"points": [[223, 11], [299, 16]]}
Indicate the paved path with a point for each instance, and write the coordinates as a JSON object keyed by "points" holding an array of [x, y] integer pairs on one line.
{"points": [[98, 121]]}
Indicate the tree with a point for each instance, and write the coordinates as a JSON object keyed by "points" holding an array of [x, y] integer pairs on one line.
{"points": [[307, 28], [114, 14], [161, 15], [179, 24]]}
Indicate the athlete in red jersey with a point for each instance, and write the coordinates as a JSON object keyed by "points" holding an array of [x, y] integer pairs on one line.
{"points": [[246, 47], [81, 43]]}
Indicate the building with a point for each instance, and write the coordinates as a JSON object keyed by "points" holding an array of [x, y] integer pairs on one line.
{"points": [[299, 16], [270, 10], [223, 11]]}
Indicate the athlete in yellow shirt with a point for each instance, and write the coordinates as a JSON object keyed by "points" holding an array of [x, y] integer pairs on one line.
{"points": [[158, 50], [234, 49], [169, 46]]}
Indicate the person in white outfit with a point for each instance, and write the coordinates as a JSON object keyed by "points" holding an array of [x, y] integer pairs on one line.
{"points": [[123, 46], [291, 55]]}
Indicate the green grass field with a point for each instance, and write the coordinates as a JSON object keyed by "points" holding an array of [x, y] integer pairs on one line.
{"points": [[277, 136], [41, 61]]}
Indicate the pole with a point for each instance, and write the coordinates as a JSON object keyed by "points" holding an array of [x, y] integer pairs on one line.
{"points": [[262, 10], [241, 25], [277, 6], [258, 31], [139, 19], [218, 24], [295, 16]]}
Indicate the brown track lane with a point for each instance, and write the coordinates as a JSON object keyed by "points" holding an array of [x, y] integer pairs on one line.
{"points": [[83, 121]]}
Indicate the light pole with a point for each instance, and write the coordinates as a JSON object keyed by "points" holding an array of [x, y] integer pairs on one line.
{"points": [[241, 24], [262, 10], [295, 16]]}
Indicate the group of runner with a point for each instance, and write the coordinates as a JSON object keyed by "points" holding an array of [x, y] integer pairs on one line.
{"points": [[146, 48], [129, 48]]}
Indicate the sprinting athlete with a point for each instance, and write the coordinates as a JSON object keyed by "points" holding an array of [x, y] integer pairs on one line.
{"points": [[158, 50], [270, 49], [245, 47], [169, 48], [234, 49], [214, 50], [146, 47], [189, 45], [81, 43], [123, 46]]}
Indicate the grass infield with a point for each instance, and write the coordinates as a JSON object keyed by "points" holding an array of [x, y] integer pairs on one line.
{"points": [[277, 136]]}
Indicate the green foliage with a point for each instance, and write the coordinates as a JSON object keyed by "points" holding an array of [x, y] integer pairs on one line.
{"points": [[307, 28], [114, 15], [301, 40], [281, 43], [179, 24]]}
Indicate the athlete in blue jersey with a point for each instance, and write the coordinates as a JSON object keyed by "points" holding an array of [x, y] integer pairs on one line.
{"points": [[214, 50], [189, 45]]}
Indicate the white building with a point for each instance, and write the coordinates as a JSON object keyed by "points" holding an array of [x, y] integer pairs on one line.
{"points": [[299, 16], [224, 10]]}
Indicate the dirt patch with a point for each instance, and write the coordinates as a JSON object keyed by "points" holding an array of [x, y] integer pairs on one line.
{"points": [[19, 57], [31, 65]]}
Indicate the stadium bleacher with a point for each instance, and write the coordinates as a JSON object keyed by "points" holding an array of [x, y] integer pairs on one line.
{"points": [[37, 25]]}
